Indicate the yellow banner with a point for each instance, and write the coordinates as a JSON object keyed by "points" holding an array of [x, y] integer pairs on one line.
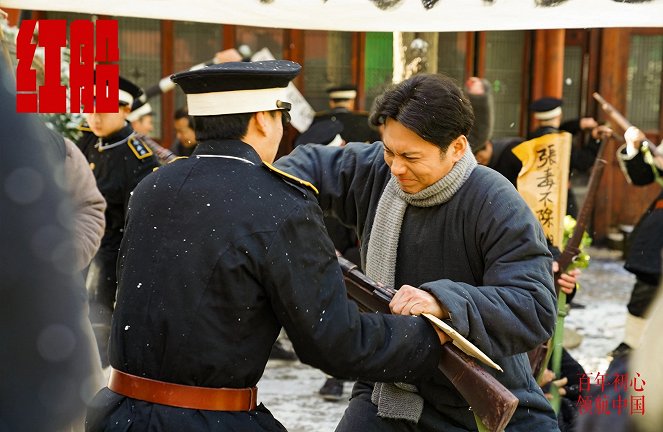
{"points": [[543, 181]]}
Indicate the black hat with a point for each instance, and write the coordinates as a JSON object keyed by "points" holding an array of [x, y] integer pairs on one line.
{"points": [[322, 132], [141, 107], [346, 91], [546, 108], [237, 87], [129, 92]]}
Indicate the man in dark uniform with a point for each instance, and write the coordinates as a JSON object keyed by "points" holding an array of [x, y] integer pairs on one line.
{"points": [[190, 342], [141, 116], [328, 132], [646, 241], [119, 160], [355, 123]]}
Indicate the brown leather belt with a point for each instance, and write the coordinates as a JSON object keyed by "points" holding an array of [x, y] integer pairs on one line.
{"points": [[183, 396]]}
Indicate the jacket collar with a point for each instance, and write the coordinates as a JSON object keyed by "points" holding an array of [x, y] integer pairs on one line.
{"points": [[117, 139], [234, 148]]}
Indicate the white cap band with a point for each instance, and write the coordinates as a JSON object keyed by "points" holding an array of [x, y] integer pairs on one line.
{"points": [[547, 115], [235, 102], [140, 112], [125, 97], [343, 94]]}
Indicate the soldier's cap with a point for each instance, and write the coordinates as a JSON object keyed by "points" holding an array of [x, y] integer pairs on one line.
{"points": [[326, 132], [139, 108], [546, 108], [129, 92], [346, 91], [237, 87]]}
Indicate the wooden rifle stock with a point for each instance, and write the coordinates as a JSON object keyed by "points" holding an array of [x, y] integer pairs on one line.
{"points": [[621, 121], [572, 248], [491, 402]]}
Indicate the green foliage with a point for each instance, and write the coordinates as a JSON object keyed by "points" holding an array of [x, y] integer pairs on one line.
{"points": [[582, 260]]}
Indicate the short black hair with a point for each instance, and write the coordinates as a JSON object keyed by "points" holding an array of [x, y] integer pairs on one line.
{"points": [[227, 126], [431, 105]]}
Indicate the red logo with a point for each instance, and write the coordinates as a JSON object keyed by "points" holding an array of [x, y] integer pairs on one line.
{"points": [[93, 52]]}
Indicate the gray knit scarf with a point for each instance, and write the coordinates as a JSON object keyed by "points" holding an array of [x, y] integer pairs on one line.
{"points": [[400, 400]]}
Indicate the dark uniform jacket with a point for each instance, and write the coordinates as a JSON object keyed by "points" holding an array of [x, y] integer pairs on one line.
{"points": [[481, 254], [355, 124], [219, 253], [118, 169], [644, 256], [504, 161]]}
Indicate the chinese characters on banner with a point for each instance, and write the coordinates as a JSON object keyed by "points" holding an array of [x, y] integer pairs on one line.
{"points": [[625, 397], [543, 180], [94, 53]]}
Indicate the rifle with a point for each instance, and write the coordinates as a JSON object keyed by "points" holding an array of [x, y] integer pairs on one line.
{"points": [[491, 402], [540, 356], [623, 122], [164, 155]]}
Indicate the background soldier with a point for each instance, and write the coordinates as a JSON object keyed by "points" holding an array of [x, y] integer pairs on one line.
{"points": [[646, 241], [119, 160], [141, 116], [190, 341], [342, 109]]}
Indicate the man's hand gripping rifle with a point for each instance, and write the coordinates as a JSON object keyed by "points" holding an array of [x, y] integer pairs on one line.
{"points": [[491, 402]]}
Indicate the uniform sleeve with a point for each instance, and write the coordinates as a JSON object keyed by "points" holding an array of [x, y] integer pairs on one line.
{"points": [[88, 203], [514, 309], [307, 293], [136, 171], [571, 126], [635, 168], [344, 176]]}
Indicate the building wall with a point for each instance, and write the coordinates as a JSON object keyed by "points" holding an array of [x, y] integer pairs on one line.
{"points": [[624, 65]]}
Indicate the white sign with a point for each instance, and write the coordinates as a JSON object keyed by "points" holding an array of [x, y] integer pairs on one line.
{"points": [[301, 113], [377, 15]]}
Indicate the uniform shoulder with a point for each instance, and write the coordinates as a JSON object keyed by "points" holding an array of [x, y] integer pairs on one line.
{"points": [[139, 147], [321, 114], [290, 179]]}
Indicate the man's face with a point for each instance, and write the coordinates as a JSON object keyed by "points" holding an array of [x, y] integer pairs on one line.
{"points": [[106, 124], [184, 133], [143, 125], [415, 162], [278, 122]]}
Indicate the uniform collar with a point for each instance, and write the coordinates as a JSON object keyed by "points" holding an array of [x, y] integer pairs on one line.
{"points": [[118, 138], [119, 135], [234, 148]]}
